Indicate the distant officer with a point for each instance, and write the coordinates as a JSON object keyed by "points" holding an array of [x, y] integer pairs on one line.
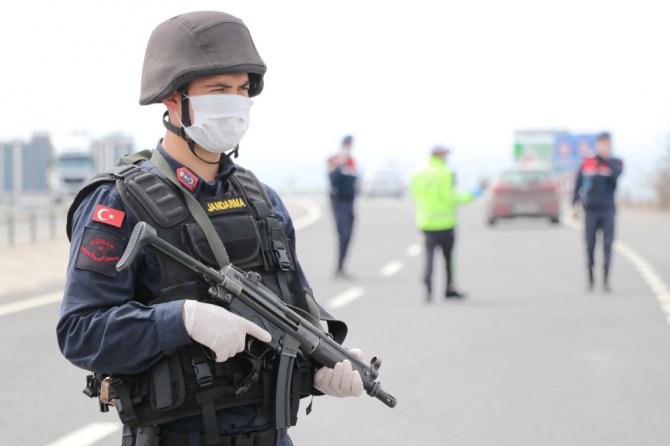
{"points": [[437, 200], [180, 370], [343, 176], [595, 186]]}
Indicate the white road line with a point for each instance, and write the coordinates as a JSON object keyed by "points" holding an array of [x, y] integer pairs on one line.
{"points": [[314, 213], [345, 298], [27, 304], [653, 280], [88, 435], [648, 273], [391, 268], [414, 250]]}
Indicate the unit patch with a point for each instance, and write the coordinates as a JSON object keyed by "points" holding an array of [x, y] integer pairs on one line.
{"points": [[187, 178], [226, 206], [109, 216], [99, 251]]}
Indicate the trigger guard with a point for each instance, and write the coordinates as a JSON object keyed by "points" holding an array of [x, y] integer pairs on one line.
{"points": [[255, 348]]}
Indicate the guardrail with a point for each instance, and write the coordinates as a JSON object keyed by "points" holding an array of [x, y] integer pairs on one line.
{"points": [[30, 225]]}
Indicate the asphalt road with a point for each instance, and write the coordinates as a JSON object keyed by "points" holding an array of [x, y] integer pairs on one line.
{"points": [[529, 358]]}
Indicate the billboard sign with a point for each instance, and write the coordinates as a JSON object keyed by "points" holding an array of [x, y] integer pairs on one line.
{"points": [[561, 150]]}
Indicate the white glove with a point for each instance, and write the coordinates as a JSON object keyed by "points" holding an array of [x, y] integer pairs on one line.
{"points": [[219, 329], [341, 380]]}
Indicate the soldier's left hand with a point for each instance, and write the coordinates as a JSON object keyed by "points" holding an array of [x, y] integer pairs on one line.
{"points": [[341, 380]]}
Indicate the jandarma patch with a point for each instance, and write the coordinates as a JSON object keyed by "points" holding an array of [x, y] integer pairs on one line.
{"points": [[227, 205], [187, 178], [99, 251]]}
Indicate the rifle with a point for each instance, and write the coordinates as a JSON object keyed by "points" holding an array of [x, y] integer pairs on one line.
{"points": [[243, 294]]}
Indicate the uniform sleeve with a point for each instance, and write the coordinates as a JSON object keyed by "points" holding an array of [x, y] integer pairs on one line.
{"points": [[464, 197], [289, 229], [335, 177], [578, 186], [102, 327], [615, 165]]}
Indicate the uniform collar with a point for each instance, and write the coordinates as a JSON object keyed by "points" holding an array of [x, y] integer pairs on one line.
{"points": [[189, 179]]}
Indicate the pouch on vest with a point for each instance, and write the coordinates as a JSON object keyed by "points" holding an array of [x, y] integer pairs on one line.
{"points": [[239, 235], [179, 386]]}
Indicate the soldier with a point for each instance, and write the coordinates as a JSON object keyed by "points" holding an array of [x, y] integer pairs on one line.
{"points": [[179, 369], [343, 176], [595, 185]]}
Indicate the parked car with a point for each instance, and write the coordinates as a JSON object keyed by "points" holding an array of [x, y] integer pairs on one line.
{"points": [[386, 182], [524, 192]]}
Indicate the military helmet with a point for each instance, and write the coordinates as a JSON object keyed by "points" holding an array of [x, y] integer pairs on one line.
{"points": [[197, 44]]}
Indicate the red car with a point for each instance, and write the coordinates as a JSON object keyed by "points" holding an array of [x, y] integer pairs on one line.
{"points": [[524, 192]]}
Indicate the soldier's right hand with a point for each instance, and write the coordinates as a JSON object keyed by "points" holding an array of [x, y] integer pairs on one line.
{"points": [[575, 212], [219, 329]]}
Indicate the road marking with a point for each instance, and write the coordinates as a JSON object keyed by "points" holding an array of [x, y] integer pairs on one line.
{"points": [[649, 274], [33, 302], [391, 268], [414, 250], [313, 214], [345, 298], [88, 435], [653, 280]]}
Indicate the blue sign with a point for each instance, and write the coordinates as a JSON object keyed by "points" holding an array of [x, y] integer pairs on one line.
{"points": [[570, 150]]}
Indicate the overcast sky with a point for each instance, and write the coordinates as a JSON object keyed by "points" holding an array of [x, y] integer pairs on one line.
{"points": [[400, 76]]}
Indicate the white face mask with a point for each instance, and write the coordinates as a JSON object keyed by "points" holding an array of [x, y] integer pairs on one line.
{"points": [[219, 121]]}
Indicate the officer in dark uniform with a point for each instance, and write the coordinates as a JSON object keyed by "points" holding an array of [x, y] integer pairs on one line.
{"points": [[343, 177], [179, 369], [595, 185]]}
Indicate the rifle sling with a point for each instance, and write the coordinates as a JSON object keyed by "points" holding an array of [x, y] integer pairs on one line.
{"points": [[196, 210]]}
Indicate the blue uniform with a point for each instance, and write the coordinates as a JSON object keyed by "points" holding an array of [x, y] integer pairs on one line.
{"points": [[343, 179], [595, 186], [102, 327]]}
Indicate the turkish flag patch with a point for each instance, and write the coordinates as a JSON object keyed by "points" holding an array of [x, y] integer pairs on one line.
{"points": [[100, 251], [108, 216]]}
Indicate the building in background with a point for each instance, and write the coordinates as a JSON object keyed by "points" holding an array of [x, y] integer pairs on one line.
{"points": [[35, 169], [106, 151], [25, 168], [35, 162]]}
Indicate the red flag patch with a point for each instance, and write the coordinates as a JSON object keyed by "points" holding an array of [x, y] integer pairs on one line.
{"points": [[109, 216], [187, 178]]}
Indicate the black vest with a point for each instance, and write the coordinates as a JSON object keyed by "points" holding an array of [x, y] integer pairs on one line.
{"points": [[190, 382]]}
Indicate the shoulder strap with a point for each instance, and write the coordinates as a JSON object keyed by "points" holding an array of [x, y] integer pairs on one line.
{"points": [[134, 158], [97, 180], [254, 191], [196, 210]]}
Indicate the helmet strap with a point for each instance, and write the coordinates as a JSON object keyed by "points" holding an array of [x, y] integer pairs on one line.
{"points": [[235, 152], [185, 122]]}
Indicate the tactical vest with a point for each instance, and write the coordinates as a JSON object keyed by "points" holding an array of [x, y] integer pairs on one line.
{"points": [[190, 382]]}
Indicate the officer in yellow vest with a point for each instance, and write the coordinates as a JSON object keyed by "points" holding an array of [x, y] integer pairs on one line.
{"points": [[437, 200]]}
